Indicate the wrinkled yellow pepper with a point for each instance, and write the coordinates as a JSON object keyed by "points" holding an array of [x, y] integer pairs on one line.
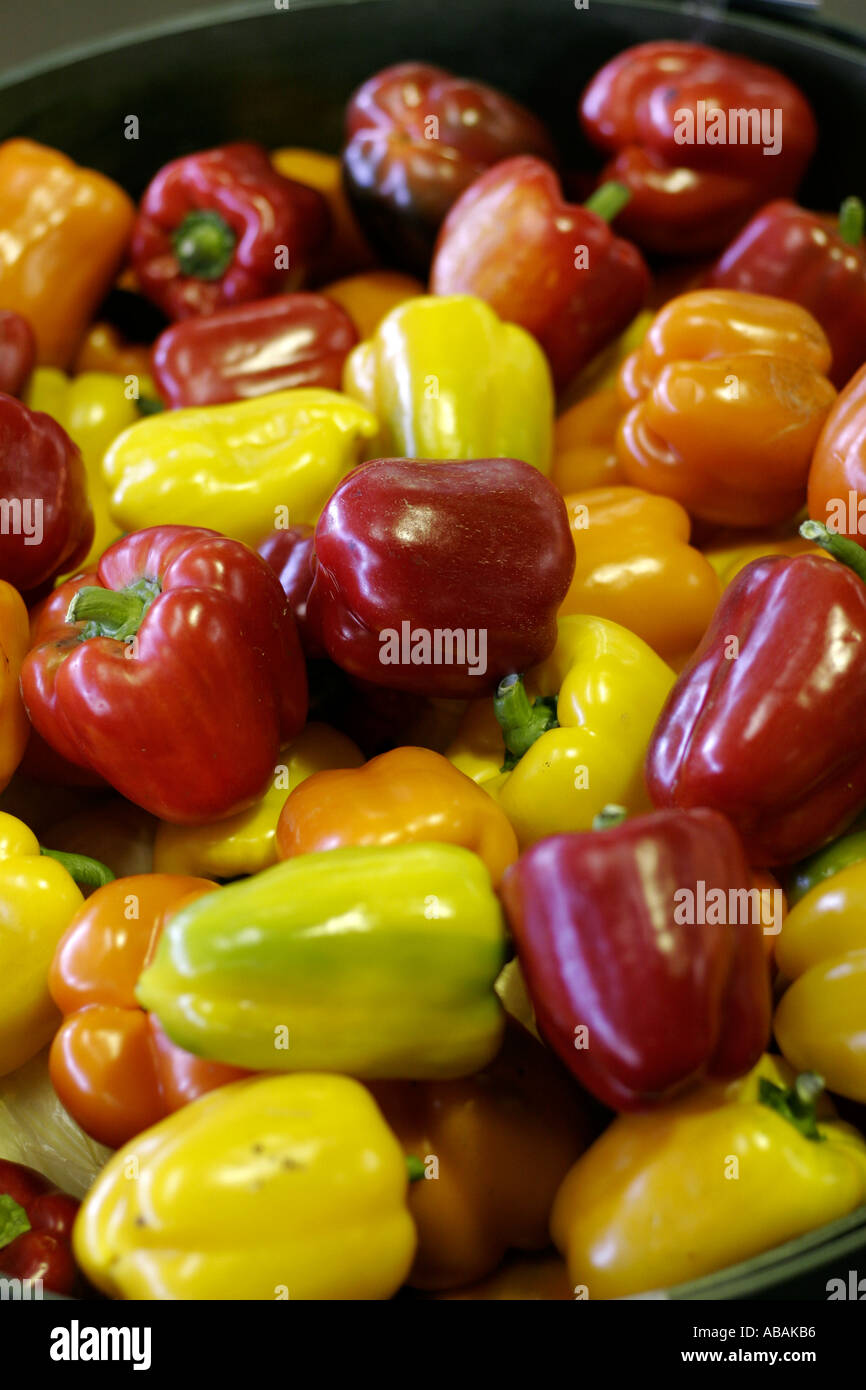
{"points": [[288, 1187], [608, 688], [239, 466], [448, 379]]}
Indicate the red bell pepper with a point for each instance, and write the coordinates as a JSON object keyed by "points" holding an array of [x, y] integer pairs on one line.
{"points": [[659, 110], [643, 959], [765, 723], [551, 266], [223, 227], [251, 349], [291, 555], [440, 576], [416, 138], [43, 1216], [176, 675], [819, 262], [46, 525], [837, 477], [17, 351]]}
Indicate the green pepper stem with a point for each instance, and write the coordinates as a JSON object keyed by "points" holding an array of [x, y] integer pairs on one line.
{"points": [[204, 244], [116, 613], [795, 1103], [608, 817], [608, 200], [415, 1167], [521, 722], [852, 217], [87, 872], [840, 547]]}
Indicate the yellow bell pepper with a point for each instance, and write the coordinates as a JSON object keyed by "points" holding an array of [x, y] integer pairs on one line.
{"points": [[93, 408], [246, 842], [37, 901], [820, 1023], [448, 379], [715, 1178], [14, 645], [728, 560], [367, 298], [608, 688], [237, 467], [288, 1187]]}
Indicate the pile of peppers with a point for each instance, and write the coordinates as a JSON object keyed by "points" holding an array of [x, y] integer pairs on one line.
{"points": [[432, 689]]}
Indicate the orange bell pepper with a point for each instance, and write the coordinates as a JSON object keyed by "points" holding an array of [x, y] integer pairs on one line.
{"points": [[14, 644], [111, 1064], [727, 395], [584, 443], [401, 797], [65, 230], [635, 566], [368, 298], [347, 247], [103, 350], [493, 1149]]}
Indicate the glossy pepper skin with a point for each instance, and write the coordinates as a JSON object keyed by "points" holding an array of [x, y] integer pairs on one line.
{"points": [[291, 554], [211, 228], [43, 1250], [519, 1115], [822, 954], [600, 693], [655, 1202], [690, 196], [239, 466], [837, 478], [416, 137], [66, 231], [446, 378], [635, 566], [41, 471], [14, 641], [477, 548], [319, 1213], [401, 797], [610, 960], [17, 351], [825, 863], [177, 677], [551, 266], [253, 349], [379, 961], [763, 722], [727, 395]]}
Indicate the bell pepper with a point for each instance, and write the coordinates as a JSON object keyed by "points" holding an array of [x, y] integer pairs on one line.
{"points": [[378, 961], [247, 842], [446, 378], [36, 1221], [39, 897], [17, 352], [238, 466], [701, 138], [416, 137], [475, 1141], [827, 862], [621, 931], [401, 797], [280, 1187], [104, 349], [176, 676], [222, 227], [440, 577], [636, 567], [815, 261], [14, 641], [93, 408], [46, 522], [290, 552], [763, 723], [345, 249], [822, 955], [254, 349], [584, 443], [551, 266], [837, 478], [369, 297], [65, 232], [728, 395], [712, 1179], [571, 741], [113, 1068]]}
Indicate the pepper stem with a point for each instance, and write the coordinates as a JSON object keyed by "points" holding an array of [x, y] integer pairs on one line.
{"points": [[840, 547], [116, 613], [204, 244], [521, 722], [852, 216], [608, 817], [87, 872], [415, 1167], [608, 200], [796, 1103]]}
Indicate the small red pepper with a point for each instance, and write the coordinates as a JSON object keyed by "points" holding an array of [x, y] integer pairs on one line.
{"points": [[251, 349], [17, 351], [223, 227], [641, 981], [44, 1216]]}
